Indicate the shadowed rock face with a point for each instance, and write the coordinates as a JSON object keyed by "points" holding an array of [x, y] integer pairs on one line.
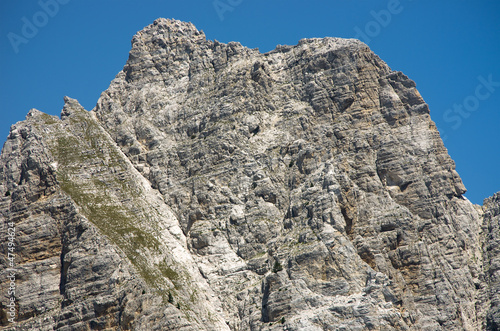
{"points": [[214, 187]]}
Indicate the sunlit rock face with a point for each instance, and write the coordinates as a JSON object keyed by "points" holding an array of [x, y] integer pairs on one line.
{"points": [[214, 187]]}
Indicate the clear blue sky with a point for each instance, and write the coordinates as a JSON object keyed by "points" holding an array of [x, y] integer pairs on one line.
{"points": [[445, 46]]}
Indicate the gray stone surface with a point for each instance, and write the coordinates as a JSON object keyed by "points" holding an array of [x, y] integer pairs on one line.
{"points": [[115, 271], [492, 259], [305, 188]]}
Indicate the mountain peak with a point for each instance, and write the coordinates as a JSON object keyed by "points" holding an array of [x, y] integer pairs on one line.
{"points": [[164, 31], [70, 105], [214, 187]]}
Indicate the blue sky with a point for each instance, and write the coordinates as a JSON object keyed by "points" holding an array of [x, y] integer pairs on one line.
{"points": [[450, 48]]}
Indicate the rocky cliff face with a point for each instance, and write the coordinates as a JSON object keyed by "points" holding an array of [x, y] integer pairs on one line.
{"points": [[214, 187]]}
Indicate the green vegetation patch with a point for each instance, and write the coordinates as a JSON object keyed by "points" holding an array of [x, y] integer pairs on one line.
{"points": [[99, 189]]}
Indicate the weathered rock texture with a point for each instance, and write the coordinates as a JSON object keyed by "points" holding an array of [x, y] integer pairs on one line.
{"points": [[492, 259], [214, 187]]}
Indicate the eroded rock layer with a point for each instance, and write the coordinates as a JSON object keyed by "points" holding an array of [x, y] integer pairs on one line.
{"points": [[214, 187]]}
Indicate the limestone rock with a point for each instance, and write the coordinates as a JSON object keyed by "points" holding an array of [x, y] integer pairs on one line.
{"points": [[215, 187], [492, 259]]}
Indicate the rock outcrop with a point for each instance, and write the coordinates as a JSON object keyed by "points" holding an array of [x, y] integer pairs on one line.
{"points": [[492, 259], [214, 187]]}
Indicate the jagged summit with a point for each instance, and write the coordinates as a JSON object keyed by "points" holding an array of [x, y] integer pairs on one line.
{"points": [[69, 106], [167, 31], [170, 31], [214, 187], [169, 40]]}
